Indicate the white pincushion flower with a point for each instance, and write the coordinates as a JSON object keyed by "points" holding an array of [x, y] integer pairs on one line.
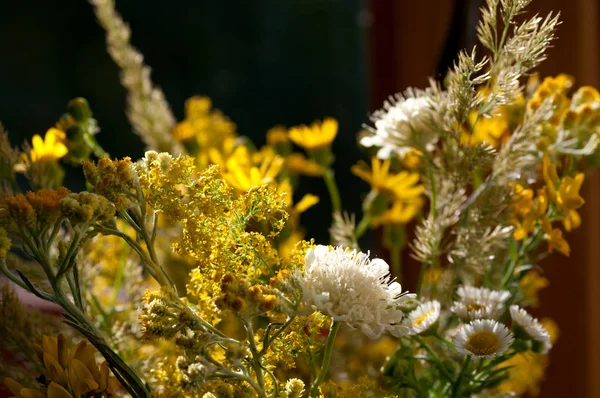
{"points": [[400, 125], [353, 289], [483, 338], [424, 318], [523, 322], [479, 302]]}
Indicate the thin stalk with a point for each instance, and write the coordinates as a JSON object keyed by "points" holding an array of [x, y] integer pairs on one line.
{"points": [[362, 226], [396, 259], [457, 386], [334, 193], [434, 358], [314, 389], [255, 361]]}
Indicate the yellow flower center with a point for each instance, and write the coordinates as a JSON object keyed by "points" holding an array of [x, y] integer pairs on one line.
{"points": [[483, 342], [423, 318], [474, 307]]}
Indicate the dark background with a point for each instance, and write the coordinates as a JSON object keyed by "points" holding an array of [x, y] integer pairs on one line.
{"points": [[268, 62], [263, 63]]}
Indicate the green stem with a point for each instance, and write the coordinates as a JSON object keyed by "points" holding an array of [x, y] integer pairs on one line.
{"points": [[314, 389], [421, 277], [457, 386], [362, 226], [334, 194], [255, 361], [434, 358]]}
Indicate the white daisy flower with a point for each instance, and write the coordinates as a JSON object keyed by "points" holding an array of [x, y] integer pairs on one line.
{"points": [[471, 311], [525, 323], [400, 125], [479, 302], [424, 318], [353, 289], [483, 338]]}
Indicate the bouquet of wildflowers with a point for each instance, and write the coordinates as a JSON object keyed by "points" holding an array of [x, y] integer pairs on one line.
{"points": [[187, 272]]}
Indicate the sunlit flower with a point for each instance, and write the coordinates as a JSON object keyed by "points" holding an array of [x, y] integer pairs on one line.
{"points": [[338, 282], [483, 338], [568, 197], [402, 185], [68, 369], [424, 318], [400, 127], [50, 148], [529, 326], [316, 136], [243, 175]]}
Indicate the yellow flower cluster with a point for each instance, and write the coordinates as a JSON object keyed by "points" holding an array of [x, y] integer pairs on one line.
{"points": [[558, 200], [204, 129], [70, 372]]}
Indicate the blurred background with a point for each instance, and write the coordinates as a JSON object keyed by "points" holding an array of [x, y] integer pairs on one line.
{"points": [[268, 62]]}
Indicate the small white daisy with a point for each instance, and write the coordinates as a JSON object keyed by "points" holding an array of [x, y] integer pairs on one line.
{"points": [[401, 125], [471, 311], [354, 289], [483, 338], [525, 323], [479, 302], [424, 318]]}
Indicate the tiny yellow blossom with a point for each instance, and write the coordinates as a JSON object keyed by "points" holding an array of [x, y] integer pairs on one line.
{"points": [[314, 137], [401, 186], [412, 159], [555, 239], [50, 148], [568, 197]]}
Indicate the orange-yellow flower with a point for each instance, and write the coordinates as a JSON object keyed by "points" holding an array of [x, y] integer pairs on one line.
{"points": [[69, 371], [555, 239], [314, 137], [49, 148]]}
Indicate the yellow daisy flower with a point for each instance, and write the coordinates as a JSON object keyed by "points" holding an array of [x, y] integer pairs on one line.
{"points": [[244, 175], [402, 186], [314, 137], [401, 212], [49, 148]]}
